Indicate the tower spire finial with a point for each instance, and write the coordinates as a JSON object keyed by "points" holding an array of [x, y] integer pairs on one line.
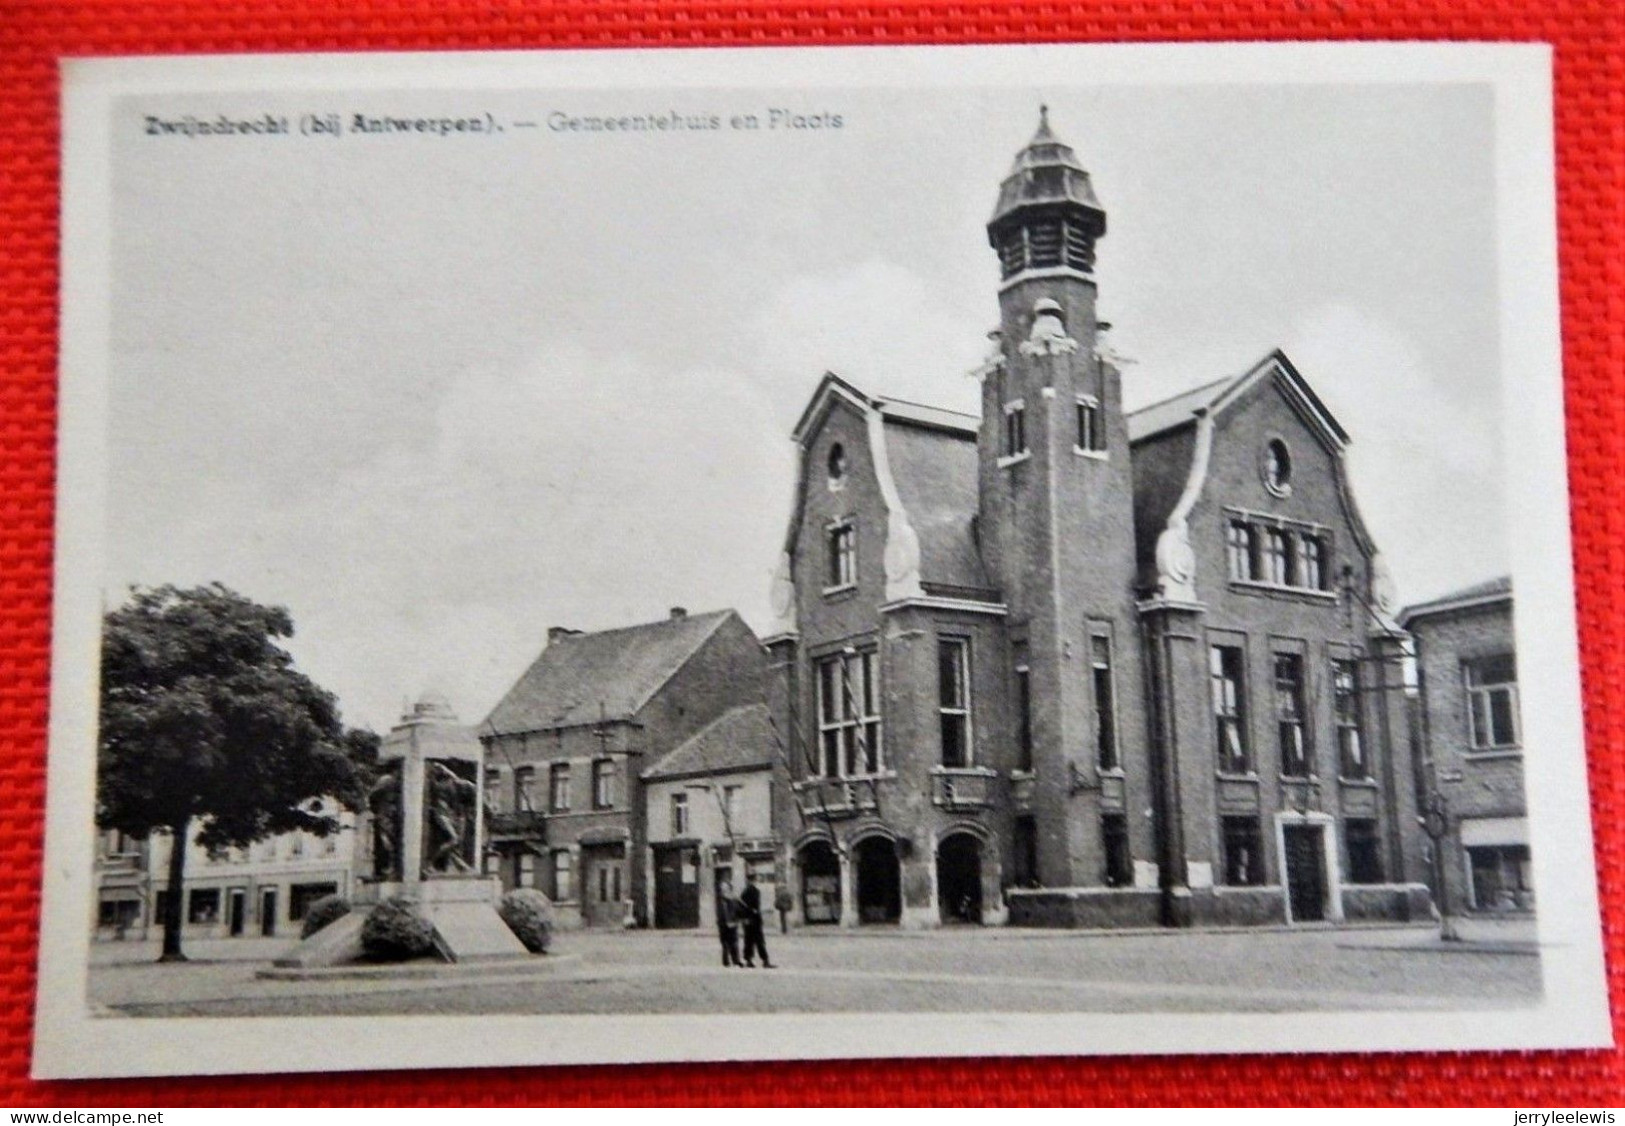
{"points": [[1043, 124]]}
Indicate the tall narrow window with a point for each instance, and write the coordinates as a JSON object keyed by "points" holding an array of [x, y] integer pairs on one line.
{"points": [[1015, 428], [849, 715], [558, 790], [1100, 658], [1365, 854], [1114, 839], [1275, 557], [1289, 715], [679, 815], [730, 807], [1024, 856], [1239, 548], [953, 700], [1091, 435], [493, 789], [524, 792], [843, 556], [563, 884], [1243, 851], [1346, 715], [1313, 554], [1024, 718], [603, 784], [1492, 698], [1229, 707]]}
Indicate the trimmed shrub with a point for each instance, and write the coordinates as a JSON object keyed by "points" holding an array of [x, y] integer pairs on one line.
{"points": [[529, 914], [395, 932], [326, 910]]}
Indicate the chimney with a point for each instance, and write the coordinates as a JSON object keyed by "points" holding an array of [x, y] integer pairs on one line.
{"points": [[556, 633], [679, 612]]}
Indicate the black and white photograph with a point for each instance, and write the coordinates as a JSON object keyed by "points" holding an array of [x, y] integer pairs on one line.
{"points": [[690, 555]]}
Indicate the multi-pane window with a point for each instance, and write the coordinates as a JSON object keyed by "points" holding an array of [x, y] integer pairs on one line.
{"points": [[1114, 839], [1365, 853], [679, 815], [1091, 434], [603, 784], [1229, 707], [1015, 428], [524, 793], [563, 873], [842, 568], [1100, 667], [1277, 557], [527, 870], [493, 789], [1277, 553], [953, 700], [1492, 701], [730, 807], [1024, 718], [848, 715], [1239, 549], [558, 787], [1289, 715], [1346, 716], [1243, 851], [1312, 571]]}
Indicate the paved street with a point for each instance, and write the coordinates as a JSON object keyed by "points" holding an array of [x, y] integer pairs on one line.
{"points": [[954, 970]]}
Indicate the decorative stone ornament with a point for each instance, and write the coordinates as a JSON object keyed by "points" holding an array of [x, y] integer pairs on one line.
{"points": [[1048, 335]]}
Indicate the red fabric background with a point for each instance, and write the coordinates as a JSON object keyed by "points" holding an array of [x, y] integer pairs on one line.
{"points": [[1589, 37]]}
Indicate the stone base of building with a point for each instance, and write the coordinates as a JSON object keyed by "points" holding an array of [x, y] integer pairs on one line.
{"points": [[1083, 908], [1388, 903], [1095, 908]]}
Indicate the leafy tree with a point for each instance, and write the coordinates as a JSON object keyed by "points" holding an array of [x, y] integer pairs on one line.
{"points": [[207, 727]]}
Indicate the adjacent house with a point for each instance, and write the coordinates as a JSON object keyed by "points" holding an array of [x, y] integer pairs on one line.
{"points": [[566, 748], [709, 810], [1473, 749]]}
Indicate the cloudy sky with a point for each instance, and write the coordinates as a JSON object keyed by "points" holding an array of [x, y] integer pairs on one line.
{"points": [[437, 394]]}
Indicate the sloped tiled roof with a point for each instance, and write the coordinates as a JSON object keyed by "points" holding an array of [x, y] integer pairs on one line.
{"points": [[1490, 590], [1168, 413], [736, 740], [936, 475], [613, 673]]}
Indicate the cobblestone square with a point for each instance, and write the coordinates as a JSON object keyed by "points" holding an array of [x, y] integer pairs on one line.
{"points": [[951, 970]]}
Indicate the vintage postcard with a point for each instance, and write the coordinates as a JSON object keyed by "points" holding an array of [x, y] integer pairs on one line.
{"points": [[697, 555]]}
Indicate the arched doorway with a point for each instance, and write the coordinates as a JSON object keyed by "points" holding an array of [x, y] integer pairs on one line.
{"points": [[880, 881], [820, 883], [959, 878]]}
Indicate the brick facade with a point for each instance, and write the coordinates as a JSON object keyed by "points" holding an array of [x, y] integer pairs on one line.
{"points": [[1021, 609]]}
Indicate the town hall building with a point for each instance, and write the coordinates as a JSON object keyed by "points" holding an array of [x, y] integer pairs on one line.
{"points": [[1065, 665]]}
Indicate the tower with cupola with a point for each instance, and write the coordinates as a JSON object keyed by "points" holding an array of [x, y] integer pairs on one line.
{"points": [[1056, 526]]}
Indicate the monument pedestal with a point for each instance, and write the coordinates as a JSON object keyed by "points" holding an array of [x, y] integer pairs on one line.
{"points": [[463, 910]]}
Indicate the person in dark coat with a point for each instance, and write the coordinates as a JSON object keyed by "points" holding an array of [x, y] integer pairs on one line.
{"points": [[728, 913], [750, 902]]}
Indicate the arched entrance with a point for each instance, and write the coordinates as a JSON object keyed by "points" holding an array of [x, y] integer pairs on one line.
{"points": [[880, 881], [820, 883], [959, 878]]}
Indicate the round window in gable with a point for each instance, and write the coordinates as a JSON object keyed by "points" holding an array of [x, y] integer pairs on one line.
{"points": [[837, 466], [1278, 467]]}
